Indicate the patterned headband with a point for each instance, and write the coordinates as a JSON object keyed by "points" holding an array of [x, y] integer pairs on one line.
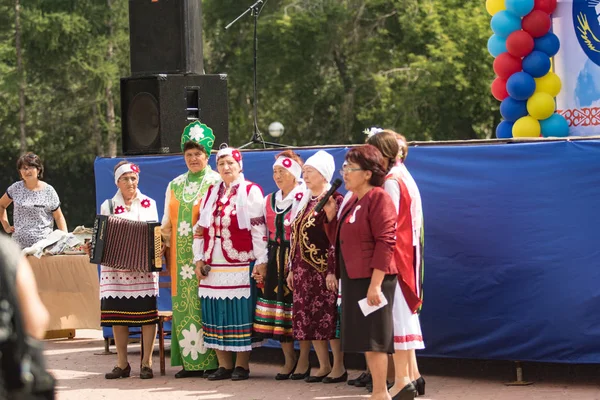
{"points": [[290, 165], [126, 168]]}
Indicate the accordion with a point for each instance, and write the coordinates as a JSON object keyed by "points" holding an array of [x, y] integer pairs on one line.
{"points": [[127, 245]]}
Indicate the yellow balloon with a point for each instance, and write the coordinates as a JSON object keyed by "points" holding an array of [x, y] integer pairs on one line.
{"points": [[549, 83], [526, 127], [541, 105], [493, 6]]}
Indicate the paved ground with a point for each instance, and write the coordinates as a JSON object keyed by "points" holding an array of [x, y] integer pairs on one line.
{"points": [[80, 373]]}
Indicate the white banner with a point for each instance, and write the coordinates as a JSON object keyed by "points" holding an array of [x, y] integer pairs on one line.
{"points": [[577, 25]]}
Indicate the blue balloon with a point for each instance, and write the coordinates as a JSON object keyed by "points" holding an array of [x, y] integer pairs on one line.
{"points": [[520, 86], [548, 44], [555, 126], [504, 23], [496, 45], [504, 130], [519, 7], [512, 109], [536, 64]]}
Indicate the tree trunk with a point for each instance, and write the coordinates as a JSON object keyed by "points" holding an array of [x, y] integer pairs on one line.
{"points": [[110, 102], [347, 107], [96, 132], [21, 75]]}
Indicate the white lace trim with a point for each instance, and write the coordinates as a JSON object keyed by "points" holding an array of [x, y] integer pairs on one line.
{"points": [[227, 245], [125, 284], [222, 278]]}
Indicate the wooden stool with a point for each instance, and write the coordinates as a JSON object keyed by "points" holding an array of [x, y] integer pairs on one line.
{"points": [[163, 316]]}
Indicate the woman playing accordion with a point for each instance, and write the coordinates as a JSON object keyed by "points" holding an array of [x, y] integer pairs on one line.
{"points": [[128, 298]]}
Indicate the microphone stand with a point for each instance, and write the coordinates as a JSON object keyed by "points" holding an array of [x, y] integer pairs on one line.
{"points": [[257, 137]]}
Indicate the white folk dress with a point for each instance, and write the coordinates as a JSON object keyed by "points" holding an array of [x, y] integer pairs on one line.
{"points": [[129, 298]]}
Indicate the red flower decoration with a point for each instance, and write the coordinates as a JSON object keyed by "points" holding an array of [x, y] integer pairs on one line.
{"points": [[119, 210], [287, 162], [237, 156], [145, 203], [299, 196], [135, 168]]}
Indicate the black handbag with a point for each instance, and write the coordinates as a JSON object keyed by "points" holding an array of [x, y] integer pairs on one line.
{"points": [[23, 369]]}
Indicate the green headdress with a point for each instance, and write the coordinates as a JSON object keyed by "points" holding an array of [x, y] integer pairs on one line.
{"points": [[199, 133]]}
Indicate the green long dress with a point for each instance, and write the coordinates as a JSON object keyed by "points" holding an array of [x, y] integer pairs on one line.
{"points": [[182, 205]]}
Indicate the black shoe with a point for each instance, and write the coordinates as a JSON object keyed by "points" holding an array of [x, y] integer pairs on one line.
{"points": [[339, 379], [207, 373], [220, 374], [408, 392], [285, 377], [117, 373], [419, 384], [353, 382], [314, 379], [146, 373], [367, 379], [299, 377], [188, 374], [240, 374]]}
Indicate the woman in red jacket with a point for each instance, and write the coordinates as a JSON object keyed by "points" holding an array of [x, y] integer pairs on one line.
{"points": [[365, 240]]}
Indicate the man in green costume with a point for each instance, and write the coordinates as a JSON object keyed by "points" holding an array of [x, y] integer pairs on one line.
{"points": [[182, 203]]}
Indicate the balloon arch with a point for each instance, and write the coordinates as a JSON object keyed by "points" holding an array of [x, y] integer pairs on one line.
{"points": [[523, 46]]}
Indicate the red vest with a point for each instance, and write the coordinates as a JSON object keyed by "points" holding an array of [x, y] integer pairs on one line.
{"points": [[236, 243], [404, 252], [273, 228]]}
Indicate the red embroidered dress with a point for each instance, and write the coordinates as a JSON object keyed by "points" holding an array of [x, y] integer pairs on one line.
{"points": [[315, 314], [226, 296]]}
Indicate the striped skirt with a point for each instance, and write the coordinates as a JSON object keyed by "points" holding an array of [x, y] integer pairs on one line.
{"points": [[227, 323], [273, 319], [133, 311], [227, 307]]}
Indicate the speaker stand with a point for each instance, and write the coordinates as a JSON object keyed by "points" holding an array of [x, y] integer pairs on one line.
{"points": [[257, 137]]}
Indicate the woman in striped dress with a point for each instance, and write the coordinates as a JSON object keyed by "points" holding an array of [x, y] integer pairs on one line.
{"points": [[229, 236], [273, 318], [129, 298]]}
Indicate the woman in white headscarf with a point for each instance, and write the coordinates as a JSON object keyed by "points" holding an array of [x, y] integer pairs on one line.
{"points": [[229, 236], [312, 276]]}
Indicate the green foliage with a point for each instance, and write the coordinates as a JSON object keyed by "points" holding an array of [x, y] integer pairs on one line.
{"points": [[327, 69]]}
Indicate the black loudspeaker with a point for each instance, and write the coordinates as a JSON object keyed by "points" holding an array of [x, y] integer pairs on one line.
{"points": [[156, 109], [165, 37]]}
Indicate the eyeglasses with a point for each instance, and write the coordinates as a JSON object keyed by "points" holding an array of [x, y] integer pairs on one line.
{"points": [[346, 170]]}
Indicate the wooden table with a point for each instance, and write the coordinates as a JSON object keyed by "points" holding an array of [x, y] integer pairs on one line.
{"points": [[69, 288]]}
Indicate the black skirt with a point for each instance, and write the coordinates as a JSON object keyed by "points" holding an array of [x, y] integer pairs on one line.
{"points": [[374, 332], [136, 311]]}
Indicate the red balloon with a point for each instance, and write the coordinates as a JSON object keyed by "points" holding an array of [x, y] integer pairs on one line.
{"points": [[547, 6], [519, 43], [499, 89], [537, 23], [505, 65]]}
